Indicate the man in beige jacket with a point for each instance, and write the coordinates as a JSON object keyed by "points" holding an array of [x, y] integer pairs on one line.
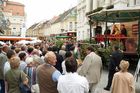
{"points": [[91, 68]]}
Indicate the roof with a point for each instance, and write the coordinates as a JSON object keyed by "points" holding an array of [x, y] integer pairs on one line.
{"points": [[15, 3], [116, 15], [62, 16], [55, 19], [14, 38], [41, 24], [33, 26], [62, 37]]}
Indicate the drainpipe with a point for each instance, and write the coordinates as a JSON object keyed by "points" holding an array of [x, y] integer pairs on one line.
{"points": [[139, 36], [90, 24], [106, 28]]}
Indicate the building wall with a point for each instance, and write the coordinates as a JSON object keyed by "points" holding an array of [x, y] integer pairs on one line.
{"points": [[48, 29], [14, 8], [104, 3], [55, 25], [66, 24], [69, 24], [14, 12], [56, 28], [82, 21], [28, 33]]}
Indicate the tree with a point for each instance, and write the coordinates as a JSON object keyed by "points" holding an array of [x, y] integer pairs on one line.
{"points": [[4, 23]]}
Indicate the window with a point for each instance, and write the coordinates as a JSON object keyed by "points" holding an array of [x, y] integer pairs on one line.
{"points": [[17, 13], [88, 33], [134, 2], [79, 34], [111, 2], [75, 26], [91, 5], [82, 35], [70, 26], [101, 3], [84, 15], [137, 2], [20, 29], [14, 31]]}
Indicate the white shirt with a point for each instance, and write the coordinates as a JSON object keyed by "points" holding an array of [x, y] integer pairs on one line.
{"points": [[72, 83], [6, 67], [22, 65], [63, 68]]}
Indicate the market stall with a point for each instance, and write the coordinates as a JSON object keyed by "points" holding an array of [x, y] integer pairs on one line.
{"points": [[121, 15]]}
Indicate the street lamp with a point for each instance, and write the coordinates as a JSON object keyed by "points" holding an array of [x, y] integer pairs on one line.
{"points": [[90, 24]]}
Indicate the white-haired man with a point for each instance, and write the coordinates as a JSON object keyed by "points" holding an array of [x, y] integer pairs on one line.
{"points": [[48, 75]]}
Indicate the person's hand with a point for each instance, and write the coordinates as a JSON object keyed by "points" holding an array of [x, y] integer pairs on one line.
{"points": [[116, 69], [79, 61]]}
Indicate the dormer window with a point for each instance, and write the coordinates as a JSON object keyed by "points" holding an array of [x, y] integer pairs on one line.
{"points": [[17, 13]]}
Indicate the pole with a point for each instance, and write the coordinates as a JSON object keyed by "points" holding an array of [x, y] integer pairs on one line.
{"points": [[90, 24], [139, 36], [106, 28]]}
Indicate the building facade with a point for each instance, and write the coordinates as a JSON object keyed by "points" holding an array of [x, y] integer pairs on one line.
{"points": [[85, 6], [69, 23], [64, 24], [31, 32], [82, 22], [14, 12]]}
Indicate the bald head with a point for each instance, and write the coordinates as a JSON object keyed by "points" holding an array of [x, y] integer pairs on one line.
{"points": [[50, 58]]}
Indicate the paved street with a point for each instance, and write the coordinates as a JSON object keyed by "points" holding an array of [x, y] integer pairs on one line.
{"points": [[103, 83]]}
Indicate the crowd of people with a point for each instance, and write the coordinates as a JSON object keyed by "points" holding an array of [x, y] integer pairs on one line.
{"points": [[46, 69]]}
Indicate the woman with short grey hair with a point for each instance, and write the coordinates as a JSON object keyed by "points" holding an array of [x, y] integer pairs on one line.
{"points": [[14, 76]]}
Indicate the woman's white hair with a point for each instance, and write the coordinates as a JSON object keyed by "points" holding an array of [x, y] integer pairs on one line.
{"points": [[124, 65], [29, 60]]}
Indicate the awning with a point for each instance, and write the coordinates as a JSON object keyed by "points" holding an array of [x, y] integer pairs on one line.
{"points": [[14, 38], [127, 14], [62, 36], [116, 15]]}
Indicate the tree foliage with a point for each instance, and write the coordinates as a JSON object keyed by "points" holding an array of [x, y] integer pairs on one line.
{"points": [[4, 23]]}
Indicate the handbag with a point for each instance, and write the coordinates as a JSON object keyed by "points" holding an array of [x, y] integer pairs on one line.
{"points": [[24, 88], [35, 88]]}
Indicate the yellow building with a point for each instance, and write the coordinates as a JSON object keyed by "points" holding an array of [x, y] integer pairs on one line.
{"points": [[65, 23], [30, 32], [69, 23]]}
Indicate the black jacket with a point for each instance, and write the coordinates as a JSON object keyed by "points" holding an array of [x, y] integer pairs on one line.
{"points": [[115, 59]]}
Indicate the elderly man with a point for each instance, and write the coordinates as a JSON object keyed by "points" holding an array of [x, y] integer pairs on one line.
{"points": [[91, 68], [47, 74], [3, 59]]}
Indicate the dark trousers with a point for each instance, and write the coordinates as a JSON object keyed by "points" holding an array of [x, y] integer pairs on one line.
{"points": [[110, 77], [123, 42], [2, 85]]}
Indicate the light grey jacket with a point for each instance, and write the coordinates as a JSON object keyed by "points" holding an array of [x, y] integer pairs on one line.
{"points": [[91, 68]]}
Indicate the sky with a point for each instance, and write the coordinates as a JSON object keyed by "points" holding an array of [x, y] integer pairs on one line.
{"points": [[38, 10]]}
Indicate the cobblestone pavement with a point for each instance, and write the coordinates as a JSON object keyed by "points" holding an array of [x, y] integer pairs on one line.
{"points": [[103, 83]]}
